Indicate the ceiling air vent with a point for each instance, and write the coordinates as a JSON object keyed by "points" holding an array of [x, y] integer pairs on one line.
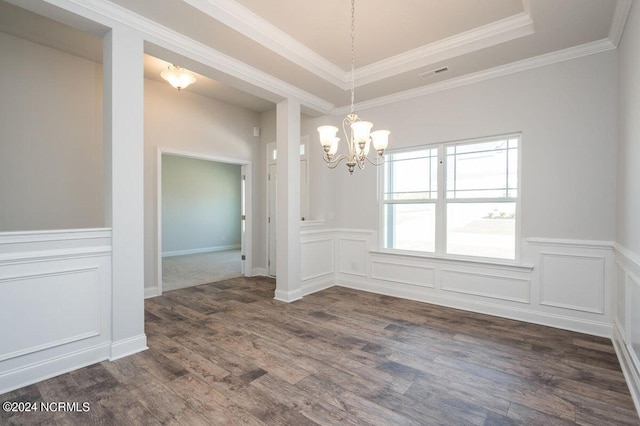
{"points": [[429, 74]]}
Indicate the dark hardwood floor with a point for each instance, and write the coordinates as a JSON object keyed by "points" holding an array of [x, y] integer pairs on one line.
{"points": [[227, 353]]}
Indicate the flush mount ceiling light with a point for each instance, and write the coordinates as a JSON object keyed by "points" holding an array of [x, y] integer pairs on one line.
{"points": [[359, 137], [178, 77]]}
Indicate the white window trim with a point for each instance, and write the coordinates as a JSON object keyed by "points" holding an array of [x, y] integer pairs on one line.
{"points": [[441, 212]]}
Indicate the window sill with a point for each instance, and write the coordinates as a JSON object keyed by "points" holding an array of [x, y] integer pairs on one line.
{"points": [[482, 262]]}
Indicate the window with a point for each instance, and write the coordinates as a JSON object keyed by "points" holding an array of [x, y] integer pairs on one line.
{"points": [[455, 198]]}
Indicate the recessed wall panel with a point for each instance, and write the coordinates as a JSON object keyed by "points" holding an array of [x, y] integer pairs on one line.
{"points": [[572, 282], [317, 258], [51, 308], [403, 273], [486, 285]]}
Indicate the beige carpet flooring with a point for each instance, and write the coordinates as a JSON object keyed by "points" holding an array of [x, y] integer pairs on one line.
{"points": [[195, 269]]}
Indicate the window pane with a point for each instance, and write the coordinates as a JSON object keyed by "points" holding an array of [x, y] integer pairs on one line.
{"points": [[482, 170], [482, 229], [409, 176], [410, 226]]}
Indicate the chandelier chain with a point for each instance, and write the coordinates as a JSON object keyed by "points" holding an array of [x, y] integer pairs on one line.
{"points": [[353, 55]]}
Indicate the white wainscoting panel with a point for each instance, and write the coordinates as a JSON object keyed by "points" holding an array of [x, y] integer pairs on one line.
{"points": [[633, 286], [627, 318], [621, 297], [403, 272], [317, 258], [573, 282], [55, 303], [567, 284], [487, 285], [75, 315], [353, 256]]}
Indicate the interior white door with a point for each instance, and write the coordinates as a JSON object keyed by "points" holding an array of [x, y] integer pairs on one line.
{"points": [[243, 219], [271, 220]]}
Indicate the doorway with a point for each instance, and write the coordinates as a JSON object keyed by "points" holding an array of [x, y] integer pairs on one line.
{"points": [[202, 219]]}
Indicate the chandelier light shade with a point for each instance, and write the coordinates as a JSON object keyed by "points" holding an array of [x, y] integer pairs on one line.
{"points": [[357, 133], [178, 77]]}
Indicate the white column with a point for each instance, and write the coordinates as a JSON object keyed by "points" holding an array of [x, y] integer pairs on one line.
{"points": [[288, 281], [124, 143]]}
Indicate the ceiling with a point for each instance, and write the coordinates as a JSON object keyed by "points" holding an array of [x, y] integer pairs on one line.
{"points": [[305, 44]]}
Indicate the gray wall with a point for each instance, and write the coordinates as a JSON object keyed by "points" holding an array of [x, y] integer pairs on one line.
{"points": [[628, 203], [200, 204], [567, 115], [51, 159]]}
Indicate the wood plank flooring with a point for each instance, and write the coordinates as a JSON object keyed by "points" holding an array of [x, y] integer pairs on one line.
{"points": [[227, 353]]}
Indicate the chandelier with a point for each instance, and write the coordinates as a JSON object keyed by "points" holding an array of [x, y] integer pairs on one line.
{"points": [[178, 77], [359, 137]]}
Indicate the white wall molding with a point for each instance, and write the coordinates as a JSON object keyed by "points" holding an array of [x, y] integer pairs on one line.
{"points": [[597, 328], [486, 285], [260, 272], [59, 285], [41, 370], [490, 264], [589, 244], [572, 299], [500, 71], [626, 336], [588, 270], [259, 30], [176, 42], [628, 364], [619, 21], [403, 272], [200, 250], [22, 237], [501, 31], [288, 296], [129, 346], [628, 259]]}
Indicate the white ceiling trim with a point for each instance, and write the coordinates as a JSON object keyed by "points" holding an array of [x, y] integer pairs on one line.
{"points": [[241, 19], [501, 31], [259, 30], [174, 41], [512, 68], [619, 20]]}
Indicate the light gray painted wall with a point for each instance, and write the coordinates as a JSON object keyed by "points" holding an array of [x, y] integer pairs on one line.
{"points": [[185, 121], [567, 115], [201, 203], [51, 158], [628, 206]]}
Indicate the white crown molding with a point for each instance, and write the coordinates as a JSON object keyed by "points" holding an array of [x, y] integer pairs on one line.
{"points": [[512, 68], [259, 30], [460, 44], [174, 41], [619, 20]]}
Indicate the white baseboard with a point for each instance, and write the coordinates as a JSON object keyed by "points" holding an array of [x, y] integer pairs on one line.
{"points": [[259, 272], [316, 285], [558, 321], [631, 373], [288, 296], [52, 367], [150, 292], [127, 347], [200, 250]]}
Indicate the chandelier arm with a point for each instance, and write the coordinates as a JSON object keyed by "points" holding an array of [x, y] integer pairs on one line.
{"points": [[377, 162], [333, 163]]}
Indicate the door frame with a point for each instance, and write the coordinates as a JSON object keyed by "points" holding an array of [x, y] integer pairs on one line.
{"points": [[246, 239]]}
